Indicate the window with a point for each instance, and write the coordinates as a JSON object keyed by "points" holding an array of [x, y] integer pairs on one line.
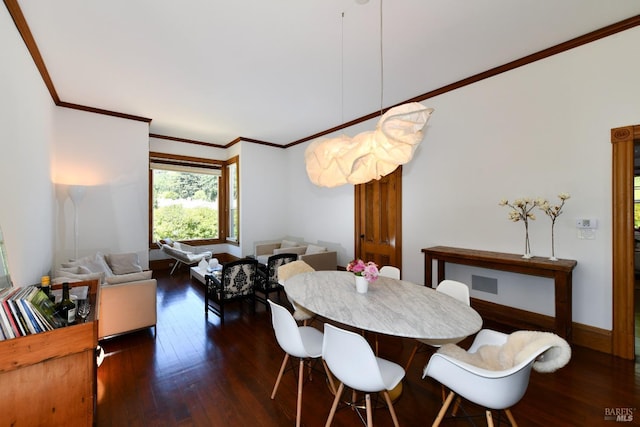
{"points": [[233, 200], [188, 196]]}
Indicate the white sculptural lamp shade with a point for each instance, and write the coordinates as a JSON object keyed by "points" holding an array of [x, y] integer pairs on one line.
{"points": [[368, 155]]}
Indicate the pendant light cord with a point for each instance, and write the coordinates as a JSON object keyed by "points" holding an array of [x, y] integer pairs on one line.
{"points": [[381, 64], [342, 70]]}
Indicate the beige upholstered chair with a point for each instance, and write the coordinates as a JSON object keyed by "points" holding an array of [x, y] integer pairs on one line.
{"points": [[287, 271]]}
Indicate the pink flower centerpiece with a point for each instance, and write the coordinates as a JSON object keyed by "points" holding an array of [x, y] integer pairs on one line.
{"points": [[368, 270]]}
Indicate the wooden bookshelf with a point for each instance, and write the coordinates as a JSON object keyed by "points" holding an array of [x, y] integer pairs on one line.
{"points": [[50, 378]]}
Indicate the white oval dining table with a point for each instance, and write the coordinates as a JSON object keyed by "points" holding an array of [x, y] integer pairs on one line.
{"points": [[392, 307]]}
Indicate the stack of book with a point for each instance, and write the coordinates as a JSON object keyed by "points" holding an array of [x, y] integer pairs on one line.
{"points": [[25, 311]]}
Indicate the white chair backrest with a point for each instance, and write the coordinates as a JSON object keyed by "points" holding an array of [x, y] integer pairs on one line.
{"points": [[492, 389], [455, 289], [350, 357], [287, 332], [390, 271]]}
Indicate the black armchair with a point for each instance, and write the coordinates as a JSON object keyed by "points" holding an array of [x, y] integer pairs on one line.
{"points": [[267, 280], [236, 282]]}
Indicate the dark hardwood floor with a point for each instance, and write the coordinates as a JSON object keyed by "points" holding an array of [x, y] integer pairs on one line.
{"points": [[194, 372]]}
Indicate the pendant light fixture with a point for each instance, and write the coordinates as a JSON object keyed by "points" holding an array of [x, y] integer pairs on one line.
{"points": [[331, 162]]}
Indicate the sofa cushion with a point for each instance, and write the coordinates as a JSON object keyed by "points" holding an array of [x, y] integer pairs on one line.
{"points": [[129, 277], [78, 273], [124, 263], [298, 250], [314, 249], [93, 264]]}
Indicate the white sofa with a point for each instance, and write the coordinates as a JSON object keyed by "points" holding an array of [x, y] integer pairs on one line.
{"points": [[318, 257], [127, 293], [126, 307]]}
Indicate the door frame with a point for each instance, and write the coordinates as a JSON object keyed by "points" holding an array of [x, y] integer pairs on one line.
{"points": [[622, 142]]}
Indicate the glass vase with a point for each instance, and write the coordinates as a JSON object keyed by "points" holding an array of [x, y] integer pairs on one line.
{"points": [[527, 246]]}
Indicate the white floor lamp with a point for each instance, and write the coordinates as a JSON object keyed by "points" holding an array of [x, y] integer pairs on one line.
{"points": [[76, 193]]}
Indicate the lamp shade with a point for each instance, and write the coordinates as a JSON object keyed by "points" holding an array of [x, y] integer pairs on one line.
{"points": [[368, 155]]}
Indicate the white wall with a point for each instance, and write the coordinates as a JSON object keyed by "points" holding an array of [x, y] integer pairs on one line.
{"points": [[26, 192], [534, 131], [110, 156], [265, 195]]}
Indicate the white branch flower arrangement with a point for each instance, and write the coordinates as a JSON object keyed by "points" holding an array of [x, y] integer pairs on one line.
{"points": [[521, 211], [553, 212]]}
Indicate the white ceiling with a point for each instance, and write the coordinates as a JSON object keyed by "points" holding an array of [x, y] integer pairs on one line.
{"points": [[282, 70]]}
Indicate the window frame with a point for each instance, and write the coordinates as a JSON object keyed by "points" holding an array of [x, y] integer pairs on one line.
{"points": [[228, 199], [223, 197]]}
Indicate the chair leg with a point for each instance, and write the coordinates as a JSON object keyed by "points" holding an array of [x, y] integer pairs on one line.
{"points": [[456, 406], [390, 406], [510, 417], [175, 266], [367, 400], [300, 384], [413, 354], [335, 405], [443, 410], [489, 419], [329, 376], [284, 364]]}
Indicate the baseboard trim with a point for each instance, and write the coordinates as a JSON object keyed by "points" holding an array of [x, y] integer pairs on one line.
{"points": [[583, 335]]}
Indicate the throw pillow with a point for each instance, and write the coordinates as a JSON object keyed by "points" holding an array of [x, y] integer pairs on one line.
{"points": [[289, 244], [166, 241], [102, 265], [313, 249], [124, 263]]}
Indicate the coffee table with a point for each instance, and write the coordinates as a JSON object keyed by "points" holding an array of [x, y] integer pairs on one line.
{"points": [[196, 273]]}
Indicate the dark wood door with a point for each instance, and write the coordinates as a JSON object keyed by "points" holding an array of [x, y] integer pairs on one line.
{"points": [[378, 220]]}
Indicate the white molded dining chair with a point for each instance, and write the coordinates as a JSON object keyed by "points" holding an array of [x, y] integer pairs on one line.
{"points": [[455, 289], [492, 389], [390, 271], [351, 359], [303, 342]]}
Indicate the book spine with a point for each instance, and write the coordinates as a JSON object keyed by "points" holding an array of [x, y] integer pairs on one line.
{"points": [[6, 325], [42, 322], [18, 318], [12, 320], [31, 321]]}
